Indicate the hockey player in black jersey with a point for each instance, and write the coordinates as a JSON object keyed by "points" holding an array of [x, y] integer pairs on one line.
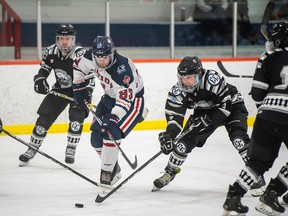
{"points": [[58, 57], [270, 93], [215, 103]]}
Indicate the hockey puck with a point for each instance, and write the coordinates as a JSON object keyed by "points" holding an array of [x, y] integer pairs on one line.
{"points": [[79, 205]]}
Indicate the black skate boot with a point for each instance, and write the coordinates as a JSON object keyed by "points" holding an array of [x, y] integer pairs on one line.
{"points": [[28, 155], [110, 178], [285, 200], [165, 179], [233, 205], [258, 188], [269, 204], [70, 154]]}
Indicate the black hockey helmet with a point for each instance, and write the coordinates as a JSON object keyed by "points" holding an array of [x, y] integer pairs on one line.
{"points": [[65, 30], [103, 46], [190, 65], [279, 34]]}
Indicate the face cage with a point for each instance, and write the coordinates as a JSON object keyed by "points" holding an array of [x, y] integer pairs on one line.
{"points": [[65, 49], [191, 88]]}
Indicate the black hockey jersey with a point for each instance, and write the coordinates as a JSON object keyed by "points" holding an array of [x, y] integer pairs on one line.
{"points": [[212, 97], [62, 66], [269, 86]]}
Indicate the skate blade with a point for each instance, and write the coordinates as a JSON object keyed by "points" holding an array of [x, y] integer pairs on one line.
{"points": [[257, 192], [154, 189], [23, 164], [232, 213], [267, 210], [107, 188]]}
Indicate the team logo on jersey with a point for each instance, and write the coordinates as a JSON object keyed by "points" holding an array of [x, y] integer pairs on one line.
{"points": [[51, 61], [63, 78], [75, 126], [79, 53], [121, 69], [126, 80], [213, 79], [176, 90]]}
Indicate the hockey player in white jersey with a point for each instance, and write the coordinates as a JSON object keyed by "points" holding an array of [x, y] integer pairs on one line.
{"points": [[121, 106]]}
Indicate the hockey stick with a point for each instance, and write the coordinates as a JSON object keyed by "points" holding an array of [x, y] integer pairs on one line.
{"points": [[265, 19], [132, 165], [58, 94], [100, 199], [226, 73], [57, 162]]}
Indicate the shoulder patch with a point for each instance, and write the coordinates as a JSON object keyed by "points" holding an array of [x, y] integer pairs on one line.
{"points": [[79, 52], [213, 79], [176, 90]]}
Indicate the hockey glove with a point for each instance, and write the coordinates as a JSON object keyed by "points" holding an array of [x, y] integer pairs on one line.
{"points": [[166, 143], [201, 123], [1, 126], [41, 85], [81, 94], [109, 121]]}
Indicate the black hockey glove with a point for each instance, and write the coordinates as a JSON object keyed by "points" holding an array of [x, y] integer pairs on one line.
{"points": [[109, 121], [166, 142], [81, 94], [41, 85], [1, 126], [201, 124]]}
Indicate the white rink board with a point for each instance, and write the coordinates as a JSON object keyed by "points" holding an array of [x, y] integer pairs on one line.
{"points": [[19, 102]]}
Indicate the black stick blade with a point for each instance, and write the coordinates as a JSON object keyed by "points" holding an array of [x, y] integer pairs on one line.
{"points": [[134, 165], [99, 199], [265, 19]]}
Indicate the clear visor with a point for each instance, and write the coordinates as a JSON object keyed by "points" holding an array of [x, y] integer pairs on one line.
{"points": [[188, 83], [65, 43]]}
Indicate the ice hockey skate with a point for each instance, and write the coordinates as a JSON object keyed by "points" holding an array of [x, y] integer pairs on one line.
{"points": [[165, 179], [258, 188], [27, 156], [269, 204], [70, 155], [110, 178], [233, 205]]}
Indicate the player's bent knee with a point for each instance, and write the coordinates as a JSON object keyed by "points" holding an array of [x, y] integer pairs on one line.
{"points": [[96, 140], [45, 121]]}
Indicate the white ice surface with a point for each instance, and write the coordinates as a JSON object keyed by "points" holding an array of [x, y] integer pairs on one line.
{"points": [[47, 189]]}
